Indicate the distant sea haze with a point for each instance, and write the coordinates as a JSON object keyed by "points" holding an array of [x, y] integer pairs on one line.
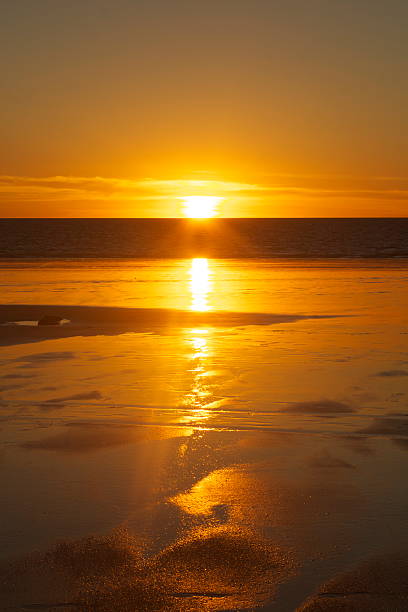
{"points": [[219, 238]]}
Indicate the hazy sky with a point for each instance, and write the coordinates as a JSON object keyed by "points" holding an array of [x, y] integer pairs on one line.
{"points": [[284, 108]]}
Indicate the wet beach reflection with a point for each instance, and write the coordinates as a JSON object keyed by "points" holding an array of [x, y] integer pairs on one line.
{"points": [[201, 467]]}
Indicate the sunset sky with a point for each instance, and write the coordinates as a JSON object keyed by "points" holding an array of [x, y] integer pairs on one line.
{"points": [[281, 108]]}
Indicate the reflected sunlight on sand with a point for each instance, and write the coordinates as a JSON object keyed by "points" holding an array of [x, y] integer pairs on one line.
{"points": [[219, 410]]}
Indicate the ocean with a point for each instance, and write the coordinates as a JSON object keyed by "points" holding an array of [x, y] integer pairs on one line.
{"points": [[220, 238], [219, 421]]}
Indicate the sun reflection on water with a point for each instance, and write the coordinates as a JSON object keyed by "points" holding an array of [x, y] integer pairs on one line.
{"points": [[200, 284], [199, 394], [200, 399]]}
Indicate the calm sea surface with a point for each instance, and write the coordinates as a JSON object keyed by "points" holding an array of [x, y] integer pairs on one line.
{"points": [[231, 427], [129, 238]]}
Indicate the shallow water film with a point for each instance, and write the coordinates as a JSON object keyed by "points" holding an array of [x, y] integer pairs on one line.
{"points": [[203, 434]]}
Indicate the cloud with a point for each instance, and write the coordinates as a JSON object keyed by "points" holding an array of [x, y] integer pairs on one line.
{"points": [[77, 188], [72, 188]]}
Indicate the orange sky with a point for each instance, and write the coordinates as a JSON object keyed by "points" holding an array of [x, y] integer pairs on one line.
{"points": [[283, 109]]}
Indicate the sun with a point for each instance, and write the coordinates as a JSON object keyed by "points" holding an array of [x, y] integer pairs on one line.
{"points": [[200, 206]]}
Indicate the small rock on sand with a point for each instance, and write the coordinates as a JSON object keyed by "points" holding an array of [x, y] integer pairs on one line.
{"points": [[50, 320]]}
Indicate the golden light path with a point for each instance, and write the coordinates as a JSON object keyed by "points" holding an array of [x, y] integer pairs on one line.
{"points": [[200, 284], [199, 397], [200, 206], [199, 394]]}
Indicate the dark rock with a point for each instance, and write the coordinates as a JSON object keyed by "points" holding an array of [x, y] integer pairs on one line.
{"points": [[50, 320]]}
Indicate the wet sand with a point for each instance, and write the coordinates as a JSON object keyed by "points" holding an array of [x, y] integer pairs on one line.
{"points": [[220, 459], [19, 323], [377, 585], [110, 573]]}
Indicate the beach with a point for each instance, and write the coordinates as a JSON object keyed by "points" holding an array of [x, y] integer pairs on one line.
{"points": [[203, 306], [200, 434]]}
